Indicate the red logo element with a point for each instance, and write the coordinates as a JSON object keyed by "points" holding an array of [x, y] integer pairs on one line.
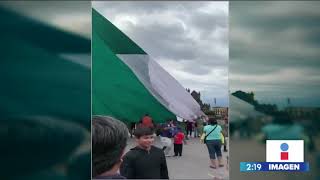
{"points": [[284, 155]]}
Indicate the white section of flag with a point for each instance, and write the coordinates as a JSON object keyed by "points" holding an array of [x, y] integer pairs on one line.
{"points": [[296, 151], [165, 88]]}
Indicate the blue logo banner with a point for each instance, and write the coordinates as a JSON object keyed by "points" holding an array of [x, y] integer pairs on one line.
{"points": [[274, 166]]}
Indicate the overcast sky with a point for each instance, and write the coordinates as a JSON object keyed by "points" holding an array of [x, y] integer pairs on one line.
{"points": [[275, 51], [73, 16], [188, 39], [274, 46]]}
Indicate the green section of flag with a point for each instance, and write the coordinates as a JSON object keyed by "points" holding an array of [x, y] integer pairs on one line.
{"points": [[117, 41], [45, 98], [38, 83], [116, 91]]}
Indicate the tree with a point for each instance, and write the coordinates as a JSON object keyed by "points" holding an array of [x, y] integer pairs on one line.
{"points": [[248, 97], [270, 109]]}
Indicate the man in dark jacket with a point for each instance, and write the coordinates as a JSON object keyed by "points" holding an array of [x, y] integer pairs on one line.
{"points": [[144, 161]]}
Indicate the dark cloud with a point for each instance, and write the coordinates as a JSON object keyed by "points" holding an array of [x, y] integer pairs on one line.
{"points": [[169, 38], [208, 22], [145, 7], [74, 16], [274, 48], [49, 8]]}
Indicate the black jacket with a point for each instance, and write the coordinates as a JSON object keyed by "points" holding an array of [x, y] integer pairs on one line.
{"points": [[142, 164]]}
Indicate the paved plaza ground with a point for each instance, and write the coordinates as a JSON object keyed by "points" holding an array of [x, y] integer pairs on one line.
{"points": [[194, 163]]}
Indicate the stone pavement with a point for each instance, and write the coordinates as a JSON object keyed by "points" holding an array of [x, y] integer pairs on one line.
{"points": [[194, 163]]}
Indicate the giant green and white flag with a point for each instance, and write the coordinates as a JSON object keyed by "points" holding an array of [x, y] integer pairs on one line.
{"points": [[127, 83], [38, 74], [45, 96]]}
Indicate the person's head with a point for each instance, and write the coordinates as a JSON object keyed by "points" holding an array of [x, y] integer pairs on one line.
{"points": [[146, 114], [109, 139], [144, 137], [212, 121], [179, 129]]}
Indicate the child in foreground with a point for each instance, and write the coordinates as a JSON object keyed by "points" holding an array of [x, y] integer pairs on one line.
{"points": [[144, 161]]}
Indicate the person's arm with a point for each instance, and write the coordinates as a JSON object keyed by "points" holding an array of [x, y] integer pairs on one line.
{"points": [[223, 131], [127, 167], [163, 167]]}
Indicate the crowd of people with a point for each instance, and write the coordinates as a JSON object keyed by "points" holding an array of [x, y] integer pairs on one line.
{"points": [[146, 161]]}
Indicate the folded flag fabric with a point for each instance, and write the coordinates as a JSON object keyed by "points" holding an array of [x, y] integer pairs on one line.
{"points": [[36, 79], [45, 98], [127, 83]]}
